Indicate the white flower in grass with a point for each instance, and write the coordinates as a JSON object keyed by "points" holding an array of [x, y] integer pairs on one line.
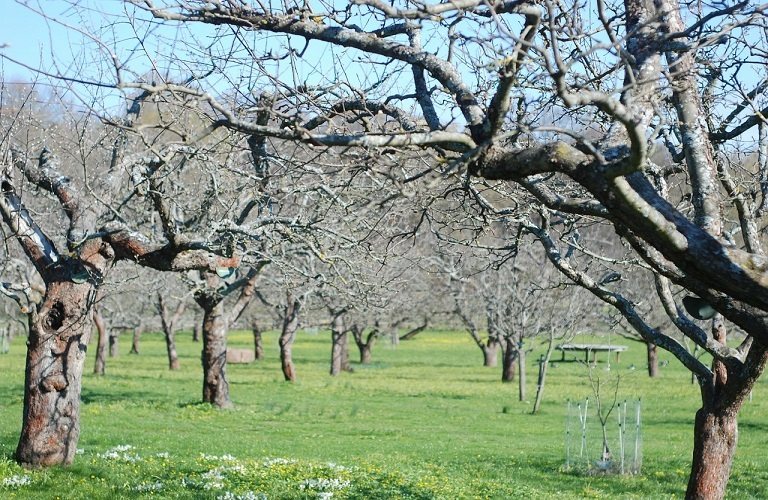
{"points": [[16, 481], [149, 487], [324, 485], [118, 453], [214, 458], [79, 451], [245, 496], [162, 455], [276, 461]]}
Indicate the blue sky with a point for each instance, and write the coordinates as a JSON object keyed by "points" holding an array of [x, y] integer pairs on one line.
{"points": [[30, 36]]}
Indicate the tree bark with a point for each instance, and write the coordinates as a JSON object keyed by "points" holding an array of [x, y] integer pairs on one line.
{"points": [[114, 344], [100, 363], [196, 329], [543, 365], [511, 353], [169, 323], [215, 384], [653, 359], [365, 346], [173, 356], [491, 353], [257, 342], [521, 379], [287, 336], [59, 330], [337, 339], [135, 341], [346, 365], [715, 436]]}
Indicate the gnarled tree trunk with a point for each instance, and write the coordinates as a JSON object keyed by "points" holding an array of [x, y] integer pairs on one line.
{"points": [[59, 330]]}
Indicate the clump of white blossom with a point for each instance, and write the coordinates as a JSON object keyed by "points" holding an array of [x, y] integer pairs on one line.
{"points": [[157, 486], [245, 496], [16, 481], [214, 458], [326, 485], [118, 453]]}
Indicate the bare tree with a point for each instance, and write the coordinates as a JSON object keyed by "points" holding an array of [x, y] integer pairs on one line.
{"points": [[568, 107]]}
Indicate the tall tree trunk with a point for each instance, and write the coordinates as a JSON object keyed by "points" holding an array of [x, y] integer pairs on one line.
{"points": [[337, 338], [346, 366], [287, 336], [135, 340], [715, 435], [196, 329], [215, 385], [521, 379], [509, 366], [173, 356], [100, 363], [491, 353], [653, 359], [257, 342], [543, 365], [114, 344], [715, 432], [168, 323]]}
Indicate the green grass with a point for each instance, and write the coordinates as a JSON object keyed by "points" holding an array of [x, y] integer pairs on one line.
{"points": [[425, 420]]}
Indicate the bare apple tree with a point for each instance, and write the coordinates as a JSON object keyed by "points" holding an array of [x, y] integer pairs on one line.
{"points": [[567, 106]]}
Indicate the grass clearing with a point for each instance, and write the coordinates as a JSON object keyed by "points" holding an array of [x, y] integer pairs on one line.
{"points": [[425, 420]]}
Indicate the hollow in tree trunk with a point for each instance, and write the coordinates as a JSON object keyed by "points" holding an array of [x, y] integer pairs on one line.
{"points": [[100, 363], [59, 330], [287, 336]]}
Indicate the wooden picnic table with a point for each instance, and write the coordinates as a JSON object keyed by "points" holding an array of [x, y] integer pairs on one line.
{"points": [[594, 349]]}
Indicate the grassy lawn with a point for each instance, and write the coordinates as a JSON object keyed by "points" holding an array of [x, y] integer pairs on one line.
{"points": [[425, 420]]}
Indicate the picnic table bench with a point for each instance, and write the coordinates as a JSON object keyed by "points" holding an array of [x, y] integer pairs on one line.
{"points": [[592, 348]]}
